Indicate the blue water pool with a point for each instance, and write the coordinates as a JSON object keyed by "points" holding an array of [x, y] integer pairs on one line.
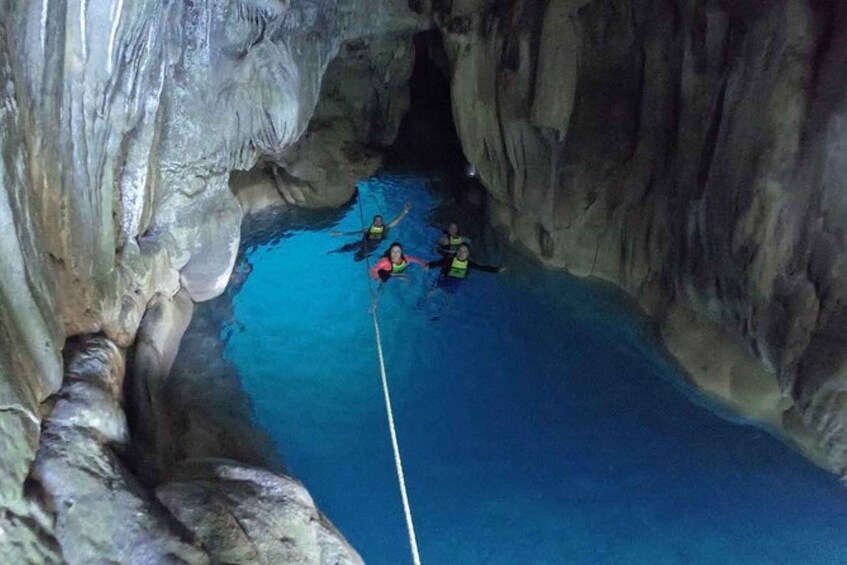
{"points": [[538, 421]]}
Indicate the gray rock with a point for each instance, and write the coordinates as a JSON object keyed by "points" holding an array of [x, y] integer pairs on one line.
{"points": [[154, 443], [101, 512], [249, 515]]}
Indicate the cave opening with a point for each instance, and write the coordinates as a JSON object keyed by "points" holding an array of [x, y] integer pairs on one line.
{"points": [[428, 141], [427, 136]]}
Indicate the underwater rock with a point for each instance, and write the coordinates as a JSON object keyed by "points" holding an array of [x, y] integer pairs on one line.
{"points": [[687, 152]]}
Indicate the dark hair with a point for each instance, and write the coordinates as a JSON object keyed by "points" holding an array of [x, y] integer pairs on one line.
{"points": [[387, 254], [465, 245], [377, 216]]}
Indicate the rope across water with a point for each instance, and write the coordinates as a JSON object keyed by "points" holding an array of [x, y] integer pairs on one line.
{"points": [[398, 462]]}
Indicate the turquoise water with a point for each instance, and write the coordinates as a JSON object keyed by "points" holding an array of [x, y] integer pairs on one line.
{"points": [[537, 420]]}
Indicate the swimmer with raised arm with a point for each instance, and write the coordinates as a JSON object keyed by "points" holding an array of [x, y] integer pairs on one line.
{"points": [[371, 236]]}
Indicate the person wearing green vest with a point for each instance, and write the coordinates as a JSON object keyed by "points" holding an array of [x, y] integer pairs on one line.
{"points": [[450, 240], [458, 267], [372, 236], [394, 263]]}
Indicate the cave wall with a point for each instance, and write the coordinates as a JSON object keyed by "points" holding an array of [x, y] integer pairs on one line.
{"points": [[692, 152], [120, 123]]}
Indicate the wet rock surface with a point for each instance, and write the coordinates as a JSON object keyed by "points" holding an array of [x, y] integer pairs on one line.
{"points": [[101, 512], [206, 506], [249, 515]]}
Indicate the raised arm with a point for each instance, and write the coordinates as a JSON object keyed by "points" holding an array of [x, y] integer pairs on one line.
{"points": [[400, 216]]}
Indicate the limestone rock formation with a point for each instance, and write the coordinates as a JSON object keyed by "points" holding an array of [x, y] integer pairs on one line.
{"points": [[212, 509], [120, 123], [101, 512], [691, 152], [248, 515]]}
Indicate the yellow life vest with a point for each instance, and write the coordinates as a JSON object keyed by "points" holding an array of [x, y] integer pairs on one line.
{"points": [[458, 269], [456, 241], [376, 232], [398, 269]]}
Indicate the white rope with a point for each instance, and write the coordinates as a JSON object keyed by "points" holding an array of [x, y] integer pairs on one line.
{"points": [[398, 462]]}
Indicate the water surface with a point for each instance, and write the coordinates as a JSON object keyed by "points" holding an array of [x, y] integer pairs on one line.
{"points": [[538, 422]]}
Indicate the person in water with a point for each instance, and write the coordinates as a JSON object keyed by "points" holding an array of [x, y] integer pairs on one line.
{"points": [[393, 263], [372, 236], [457, 267], [450, 241], [454, 269]]}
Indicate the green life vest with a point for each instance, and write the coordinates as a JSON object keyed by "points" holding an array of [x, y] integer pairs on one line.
{"points": [[398, 269], [456, 241], [376, 233], [458, 269]]}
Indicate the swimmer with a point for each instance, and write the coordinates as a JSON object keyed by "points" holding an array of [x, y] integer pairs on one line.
{"points": [[457, 267], [450, 240], [372, 236], [393, 263]]}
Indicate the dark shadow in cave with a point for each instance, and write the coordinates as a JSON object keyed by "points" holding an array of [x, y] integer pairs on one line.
{"points": [[427, 138], [428, 142]]}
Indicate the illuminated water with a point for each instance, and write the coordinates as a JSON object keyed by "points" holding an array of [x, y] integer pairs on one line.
{"points": [[537, 420]]}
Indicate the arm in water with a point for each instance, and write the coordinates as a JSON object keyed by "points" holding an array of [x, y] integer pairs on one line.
{"points": [[337, 233], [419, 261], [487, 268], [381, 266]]}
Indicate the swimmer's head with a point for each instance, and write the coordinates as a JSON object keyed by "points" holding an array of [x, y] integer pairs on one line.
{"points": [[378, 221], [395, 253], [453, 229], [463, 252]]}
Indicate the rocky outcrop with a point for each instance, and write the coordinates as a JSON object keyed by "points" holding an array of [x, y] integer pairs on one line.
{"points": [[188, 405], [212, 510], [364, 96], [691, 152], [101, 512], [249, 515]]}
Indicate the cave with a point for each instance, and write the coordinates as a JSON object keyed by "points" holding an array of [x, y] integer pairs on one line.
{"points": [[442, 281]]}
